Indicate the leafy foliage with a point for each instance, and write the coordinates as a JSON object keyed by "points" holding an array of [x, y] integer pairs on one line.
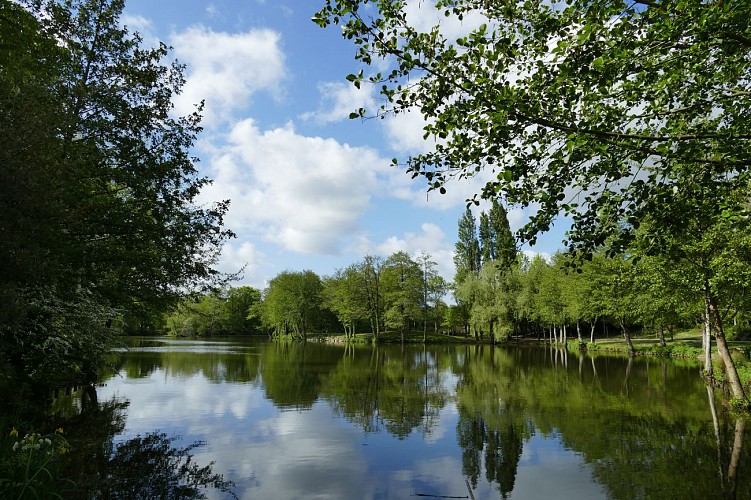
{"points": [[596, 110], [293, 303], [151, 467], [229, 312], [97, 207]]}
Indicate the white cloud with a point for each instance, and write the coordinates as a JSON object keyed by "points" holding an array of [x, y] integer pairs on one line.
{"points": [[531, 254], [405, 133], [305, 194], [431, 240], [141, 25], [422, 16], [227, 69], [339, 100], [237, 255]]}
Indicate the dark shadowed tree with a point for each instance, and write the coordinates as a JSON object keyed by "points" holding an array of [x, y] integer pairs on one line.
{"points": [[98, 200]]}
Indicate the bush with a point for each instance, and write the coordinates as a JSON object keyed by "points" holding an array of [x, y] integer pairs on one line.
{"points": [[685, 350]]}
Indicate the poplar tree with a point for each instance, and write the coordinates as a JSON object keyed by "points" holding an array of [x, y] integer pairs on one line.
{"points": [[467, 257]]}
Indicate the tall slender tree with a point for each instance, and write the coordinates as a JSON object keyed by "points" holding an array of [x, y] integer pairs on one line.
{"points": [[371, 268], [504, 244], [467, 257]]}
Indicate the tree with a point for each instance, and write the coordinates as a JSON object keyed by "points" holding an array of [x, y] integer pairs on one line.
{"points": [[433, 289], [345, 295], [402, 285], [496, 240], [620, 288], [467, 256], [292, 303], [239, 303], [549, 300], [562, 103], [216, 313], [706, 237], [604, 111], [98, 187], [371, 268]]}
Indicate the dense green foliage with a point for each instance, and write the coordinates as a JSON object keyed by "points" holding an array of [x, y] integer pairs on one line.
{"points": [[395, 293], [98, 218], [225, 313], [630, 117]]}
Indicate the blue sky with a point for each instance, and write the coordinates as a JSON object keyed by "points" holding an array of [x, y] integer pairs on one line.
{"points": [[310, 189]]}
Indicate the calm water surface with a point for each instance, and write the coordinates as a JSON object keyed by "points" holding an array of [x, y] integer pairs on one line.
{"points": [[285, 421]]}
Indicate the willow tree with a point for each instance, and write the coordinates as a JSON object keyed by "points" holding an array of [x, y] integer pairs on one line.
{"points": [[595, 110]]}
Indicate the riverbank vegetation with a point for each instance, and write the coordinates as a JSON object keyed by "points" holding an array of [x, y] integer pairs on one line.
{"points": [[629, 118], [101, 228], [635, 303]]}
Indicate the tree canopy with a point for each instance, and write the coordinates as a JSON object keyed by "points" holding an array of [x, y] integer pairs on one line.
{"points": [[613, 112], [98, 211], [598, 110]]}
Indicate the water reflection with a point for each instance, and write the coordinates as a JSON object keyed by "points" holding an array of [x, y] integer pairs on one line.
{"points": [[302, 420], [101, 466]]}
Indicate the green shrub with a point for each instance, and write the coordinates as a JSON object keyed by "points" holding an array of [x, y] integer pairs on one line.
{"points": [[685, 350]]}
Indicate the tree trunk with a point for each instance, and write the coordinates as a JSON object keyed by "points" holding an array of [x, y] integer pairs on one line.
{"points": [[628, 375], [722, 347], [627, 336], [735, 457], [661, 333], [592, 332], [706, 343], [716, 425], [579, 333]]}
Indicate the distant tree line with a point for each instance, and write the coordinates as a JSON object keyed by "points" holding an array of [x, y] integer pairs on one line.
{"points": [[565, 297], [499, 293], [397, 293]]}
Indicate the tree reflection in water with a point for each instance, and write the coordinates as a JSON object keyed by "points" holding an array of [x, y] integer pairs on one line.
{"points": [[638, 427], [147, 466], [151, 467]]}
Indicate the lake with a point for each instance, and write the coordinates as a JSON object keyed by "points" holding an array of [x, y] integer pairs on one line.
{"points": [[318, 421]]}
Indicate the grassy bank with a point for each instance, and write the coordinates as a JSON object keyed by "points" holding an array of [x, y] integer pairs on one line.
{"points": [[394, 337], [685, 344]]}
